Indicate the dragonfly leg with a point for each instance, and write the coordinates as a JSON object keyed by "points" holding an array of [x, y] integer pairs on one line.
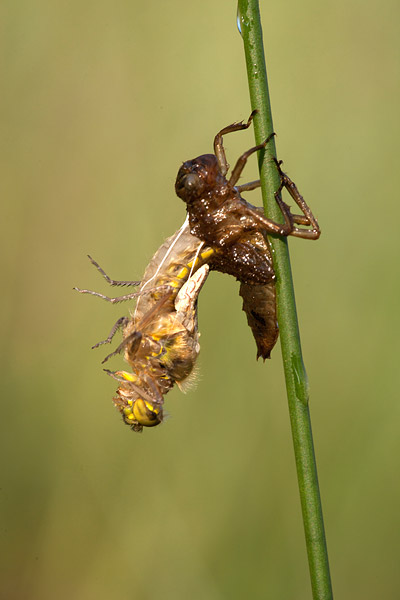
{"points": [[219, 149], [247, 187], [112, 300], [134, 338], [120, 323], [242, 160], [307, 218], [113, 282]]}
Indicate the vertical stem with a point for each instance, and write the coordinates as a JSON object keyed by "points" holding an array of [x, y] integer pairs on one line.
{"points": [[295, 373]]}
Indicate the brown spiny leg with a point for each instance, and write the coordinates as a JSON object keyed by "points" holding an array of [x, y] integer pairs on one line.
{"points": [[247, 187], [261, 222], [219, 150], [307, 218], [242, 160], [253, 219]]}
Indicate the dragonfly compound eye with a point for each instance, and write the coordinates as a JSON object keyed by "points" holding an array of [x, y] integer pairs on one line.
{"points": [[146, 414], [188, 185], [191, 182]]}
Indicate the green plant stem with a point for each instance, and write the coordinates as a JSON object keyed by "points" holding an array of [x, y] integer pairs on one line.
{"points": [[295, 374]]}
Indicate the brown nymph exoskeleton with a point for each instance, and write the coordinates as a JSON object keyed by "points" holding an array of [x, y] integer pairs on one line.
{"points": [[237, 231]]}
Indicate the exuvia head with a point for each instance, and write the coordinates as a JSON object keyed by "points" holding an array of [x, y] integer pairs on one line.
{"points": [[197, 177]]}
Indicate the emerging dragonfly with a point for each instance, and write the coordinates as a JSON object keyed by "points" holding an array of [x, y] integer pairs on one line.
{"points": [[237, 231], [160, 338], [222, 232]]}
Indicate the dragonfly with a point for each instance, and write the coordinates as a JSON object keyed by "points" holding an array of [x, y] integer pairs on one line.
{"points": [[160, 338]]}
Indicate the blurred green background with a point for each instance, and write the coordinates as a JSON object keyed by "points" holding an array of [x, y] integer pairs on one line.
{"points": [[100, 103]]}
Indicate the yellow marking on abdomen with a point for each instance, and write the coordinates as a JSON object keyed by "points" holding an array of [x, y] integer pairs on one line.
{"points": [[183, 273], [207, 253]]}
